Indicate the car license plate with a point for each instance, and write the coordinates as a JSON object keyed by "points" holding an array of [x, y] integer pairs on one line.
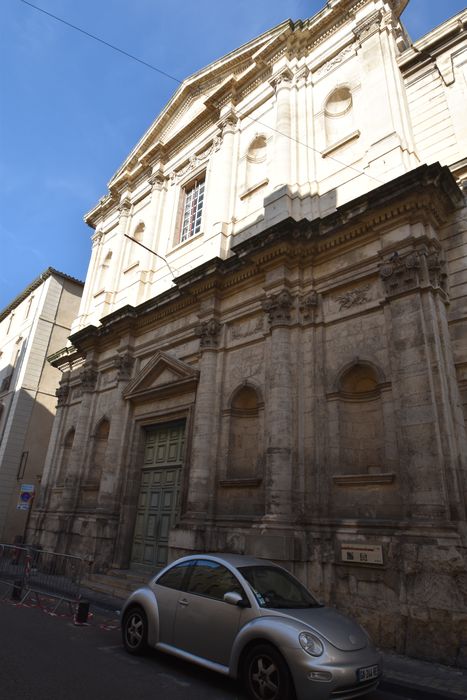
{"points": [[368, 673]]}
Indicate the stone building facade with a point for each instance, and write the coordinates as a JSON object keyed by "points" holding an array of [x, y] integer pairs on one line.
{"points": [[34, 325], [280, 368]]}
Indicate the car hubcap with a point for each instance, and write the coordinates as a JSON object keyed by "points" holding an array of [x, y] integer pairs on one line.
{"points": [[134, 630], [264, 678]]}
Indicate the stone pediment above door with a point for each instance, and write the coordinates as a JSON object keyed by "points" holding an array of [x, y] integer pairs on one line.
{"points": [[164, 375]]}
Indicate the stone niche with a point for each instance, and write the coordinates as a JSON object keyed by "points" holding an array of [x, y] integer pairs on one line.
{"points": [[364, 483]]}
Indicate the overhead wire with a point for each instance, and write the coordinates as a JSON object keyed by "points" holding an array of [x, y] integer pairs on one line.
{"points": [[180, 82]]}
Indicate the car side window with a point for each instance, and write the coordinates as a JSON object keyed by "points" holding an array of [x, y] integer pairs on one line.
{"points": [[213, 580], [175, 577]]}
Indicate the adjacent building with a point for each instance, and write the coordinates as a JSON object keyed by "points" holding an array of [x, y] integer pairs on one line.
{"points": [[35, 324], [270, 354]]}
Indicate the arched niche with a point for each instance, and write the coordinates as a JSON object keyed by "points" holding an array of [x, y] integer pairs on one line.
{"points": [[245, 433]]}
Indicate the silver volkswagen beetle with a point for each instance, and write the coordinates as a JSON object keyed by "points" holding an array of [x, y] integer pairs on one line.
{"points": [[250, 619]]}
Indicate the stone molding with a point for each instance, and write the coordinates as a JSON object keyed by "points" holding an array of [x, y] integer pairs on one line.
{"points": [[368, 26], [196, 160]]}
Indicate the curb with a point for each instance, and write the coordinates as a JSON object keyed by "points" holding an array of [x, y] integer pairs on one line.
{"points": [[421, 692]]}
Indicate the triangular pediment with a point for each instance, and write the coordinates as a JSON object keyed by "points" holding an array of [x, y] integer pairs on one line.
{"points": [[194, 97], [163, 375]]}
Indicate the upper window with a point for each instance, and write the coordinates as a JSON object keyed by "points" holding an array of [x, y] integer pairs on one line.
{"points": [[192, 209]]}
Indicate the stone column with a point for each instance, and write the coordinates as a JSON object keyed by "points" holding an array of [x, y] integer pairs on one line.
{"points": [[279, 409], [70, 494], [423, 383], [281, 174], [223, 172], [109, 489], [199, 498]]}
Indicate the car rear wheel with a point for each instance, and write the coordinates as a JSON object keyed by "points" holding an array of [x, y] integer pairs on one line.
{"points": [[135, 631], [266, 675]]}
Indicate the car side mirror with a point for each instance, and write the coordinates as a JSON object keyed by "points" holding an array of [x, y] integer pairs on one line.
{"points": [[233, 598]]}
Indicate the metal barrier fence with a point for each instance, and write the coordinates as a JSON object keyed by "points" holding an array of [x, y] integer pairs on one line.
{"points": [[32, 570]]}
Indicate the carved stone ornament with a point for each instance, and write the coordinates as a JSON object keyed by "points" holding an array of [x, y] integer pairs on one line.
{"points": [[195, 161], [208, 333], [125, 206], [308, 305], [97, 237], [157, 179], [282, 79], [336, 61], [124, 364], [401, 273], [88, 378], [436, 270], [278, 307], [62, 394], [354, 297]]}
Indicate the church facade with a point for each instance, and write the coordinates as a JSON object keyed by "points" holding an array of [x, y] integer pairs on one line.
{"points": [[271, 351]]}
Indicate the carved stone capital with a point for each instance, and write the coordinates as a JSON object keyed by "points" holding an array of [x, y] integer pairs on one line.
{"points": [[125, 206], [401, 273], [436, 268], [282, 79], [308, 305], [62, 394], [157, 179], [124, 365], [278, 307], [88, 377], [208, 333]]}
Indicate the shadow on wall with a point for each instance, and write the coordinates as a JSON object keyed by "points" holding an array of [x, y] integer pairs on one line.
{"points": [[26, 420]]}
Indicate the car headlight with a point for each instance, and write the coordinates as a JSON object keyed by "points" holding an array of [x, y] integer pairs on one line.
{"points": [[311, 644]]}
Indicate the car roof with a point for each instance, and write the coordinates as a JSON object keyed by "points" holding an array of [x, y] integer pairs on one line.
{"points": [[235, 560]]}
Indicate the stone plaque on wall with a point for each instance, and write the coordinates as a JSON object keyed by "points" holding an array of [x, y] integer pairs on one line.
{"points": [[362, 553]]}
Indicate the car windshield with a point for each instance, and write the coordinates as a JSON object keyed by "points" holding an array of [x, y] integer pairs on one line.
{"points": [[276, 588]]}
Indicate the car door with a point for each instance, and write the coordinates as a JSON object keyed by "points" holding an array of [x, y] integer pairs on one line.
{"points": [[205, 625], [168, 589]]}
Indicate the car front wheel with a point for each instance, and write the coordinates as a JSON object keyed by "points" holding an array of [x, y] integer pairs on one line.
{"points": [[266, 675], [135, 631]]}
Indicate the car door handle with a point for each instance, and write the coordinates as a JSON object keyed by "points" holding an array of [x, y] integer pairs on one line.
{"points": [[183, 601]]}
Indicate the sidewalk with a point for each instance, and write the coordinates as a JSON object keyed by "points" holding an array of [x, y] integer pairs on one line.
{"points": [[429, 681]]}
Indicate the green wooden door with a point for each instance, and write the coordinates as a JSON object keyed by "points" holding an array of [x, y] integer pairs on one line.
{"points": [[159, 498]]}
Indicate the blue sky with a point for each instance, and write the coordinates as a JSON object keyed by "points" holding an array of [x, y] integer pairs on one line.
{"points": [[71, 109]]}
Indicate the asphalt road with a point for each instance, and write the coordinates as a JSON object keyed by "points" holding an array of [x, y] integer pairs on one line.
{"points": [[45, 657]]}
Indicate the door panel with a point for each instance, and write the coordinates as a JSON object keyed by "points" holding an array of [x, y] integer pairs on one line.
{"points": [[159, 499]]}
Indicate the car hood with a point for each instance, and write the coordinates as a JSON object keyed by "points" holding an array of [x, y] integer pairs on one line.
{"points": [[342, 632]]}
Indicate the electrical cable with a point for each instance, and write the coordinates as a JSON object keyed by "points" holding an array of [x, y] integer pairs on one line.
{"points": [[180, 82]]}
